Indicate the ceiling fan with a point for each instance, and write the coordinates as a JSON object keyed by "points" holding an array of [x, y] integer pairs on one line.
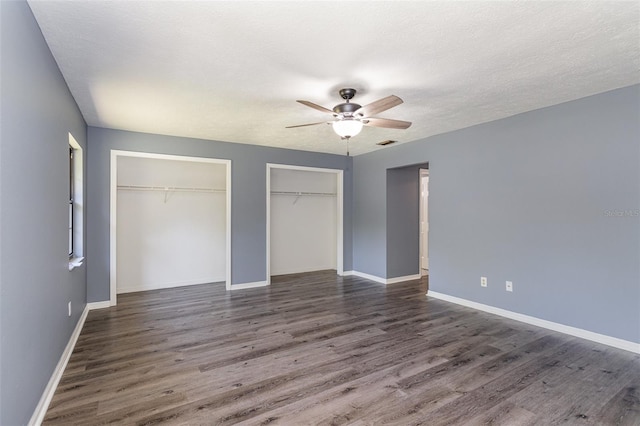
{"points": [[350, 117]]}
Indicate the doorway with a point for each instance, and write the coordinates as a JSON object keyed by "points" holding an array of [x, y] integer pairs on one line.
{"points": [[424, 222]]}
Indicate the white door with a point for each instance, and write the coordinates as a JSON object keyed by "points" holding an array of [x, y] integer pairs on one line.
{"points": [[424, 222]]}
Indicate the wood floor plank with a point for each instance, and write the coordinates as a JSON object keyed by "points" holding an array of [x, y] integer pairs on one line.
{"points": [[575, 394], [351, 400], [506, 414], [473, 403], [318, 349], [623, 408]]}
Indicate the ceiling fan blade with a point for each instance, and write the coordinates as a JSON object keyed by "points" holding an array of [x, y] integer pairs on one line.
{"points": [[387, 123], [304, 125], [378, 106], [315, 106]]}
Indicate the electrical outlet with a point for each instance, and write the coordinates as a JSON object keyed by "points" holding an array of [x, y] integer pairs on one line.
{"points": [[509, 286], [483, 281], [69, 308]]}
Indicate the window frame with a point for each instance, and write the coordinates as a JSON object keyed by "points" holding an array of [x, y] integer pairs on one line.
{"points": [[72, 231], [76, 204]]}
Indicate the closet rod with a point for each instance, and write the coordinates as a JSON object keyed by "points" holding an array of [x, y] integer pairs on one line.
{"points": [[299, 194], [168, 188]]}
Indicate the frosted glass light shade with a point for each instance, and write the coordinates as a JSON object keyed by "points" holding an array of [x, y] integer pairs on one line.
{"points": [[347, 128]]}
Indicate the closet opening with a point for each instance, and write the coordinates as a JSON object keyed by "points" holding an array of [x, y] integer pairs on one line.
{"points": [[304, 220], [169, 222]]}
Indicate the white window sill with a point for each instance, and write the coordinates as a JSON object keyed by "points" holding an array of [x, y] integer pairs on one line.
{"points": [[75, 262]]}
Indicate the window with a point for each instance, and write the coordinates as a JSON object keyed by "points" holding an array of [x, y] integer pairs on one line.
{"points": [[71, 232], [76, 208]]}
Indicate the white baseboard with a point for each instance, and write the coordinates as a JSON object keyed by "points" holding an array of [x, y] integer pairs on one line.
{"points": [[158, 286], [572, 331], [98, 305], [49, 390], [366, 276], [243, 286], [45, 400], [403, 279], [380, 279], [303, 271]]}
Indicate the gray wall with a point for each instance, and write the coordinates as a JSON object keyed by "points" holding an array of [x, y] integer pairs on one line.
{"points": [[548, 199], [403, 221], [37, 114], [534, 199], [248, 202]]}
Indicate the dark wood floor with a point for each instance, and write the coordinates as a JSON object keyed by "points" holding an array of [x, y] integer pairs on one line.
{"points": [[316, 349]]}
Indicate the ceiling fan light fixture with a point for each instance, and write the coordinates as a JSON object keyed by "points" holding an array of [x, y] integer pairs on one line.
{"points": [[347, 127], [349, 117]]}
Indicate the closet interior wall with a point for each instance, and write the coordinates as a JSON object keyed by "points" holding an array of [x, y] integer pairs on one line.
{"points": [[171, 223], [303, 221]]}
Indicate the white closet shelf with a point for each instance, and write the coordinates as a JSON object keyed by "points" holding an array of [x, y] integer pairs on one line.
{"points": [[168, 188], [302, 194]]}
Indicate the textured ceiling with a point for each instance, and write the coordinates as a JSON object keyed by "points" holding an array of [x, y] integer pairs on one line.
{"points": [[232, 70]]}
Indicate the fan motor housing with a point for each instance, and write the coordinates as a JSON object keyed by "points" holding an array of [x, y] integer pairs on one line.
{"points": [[346, 107]]}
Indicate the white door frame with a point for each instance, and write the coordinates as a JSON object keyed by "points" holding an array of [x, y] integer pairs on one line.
{"points": [[423, 173], [115, 154], [339, 212]]}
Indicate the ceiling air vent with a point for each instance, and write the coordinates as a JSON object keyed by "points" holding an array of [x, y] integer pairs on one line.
{"points": [[387, 142]]}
